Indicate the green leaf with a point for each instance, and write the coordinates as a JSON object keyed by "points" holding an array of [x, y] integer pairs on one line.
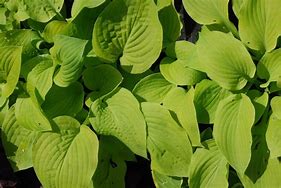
{"points": [[169, 157], [258, 24], [10, 64], [130, 80], [68, 53], [208, 167], [260, 101], [270, 178], [163, 181], [119, 115], [181, 102], [68, 157], [218, 54], [275, 104], [269, 67], [40, 10], [209, 12], [207, 96], [40, 78], [236, 6], [57, 27], [272, 134], [21, 37], [171, 23], [234, 119], [64, 100], [17, 142], [78, 5], [101, 79], [111, 168], [131, 31], [3, 11], [30, 116], [153, 88]]}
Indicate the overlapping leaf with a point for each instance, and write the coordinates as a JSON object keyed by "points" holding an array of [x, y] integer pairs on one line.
{"points": [[131, 31]]}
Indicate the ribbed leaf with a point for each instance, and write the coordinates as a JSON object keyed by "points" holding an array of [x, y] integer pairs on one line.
{"points": [[64, 100], [178, 67], [210, 12], [181, 102], [208, 167], [39, 10], [169, 157], [234, 119], [207, 96], [40, 79], [269, 67], [68, 53], [236, 6], [130, 30], [163, 181], [17, 142], [10, 64], [153, 88], [101, 79], [30, 116], [67, 158], [218, 54], [259, 26], [119, 115]]}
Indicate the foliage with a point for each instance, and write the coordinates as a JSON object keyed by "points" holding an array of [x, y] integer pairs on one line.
{"points": [[80, 96]]}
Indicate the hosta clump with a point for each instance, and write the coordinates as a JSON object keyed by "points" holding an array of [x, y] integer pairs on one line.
{"points": [[82, 96]]}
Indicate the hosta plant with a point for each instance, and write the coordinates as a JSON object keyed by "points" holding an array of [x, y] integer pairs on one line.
{"points": [[83, 94]]}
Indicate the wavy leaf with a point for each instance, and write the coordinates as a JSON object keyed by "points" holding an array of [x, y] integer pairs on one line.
{"points": [[218, 54], [258, 24], [131, 31], [68, 157], [234, 119], [169, 157], [119, 115], [208, 167], [68, 53]]}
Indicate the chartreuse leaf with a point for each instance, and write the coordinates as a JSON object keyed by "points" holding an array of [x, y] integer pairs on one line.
{"points": [[181, 102], [258, 24], [40, 78], [78, 5], [234, 119], [101, 80], [17, 142], [269, 67], [30, 115], [275, 104], [209, 12], [163, 181], [270, 177], [131, 31], [41, 10], [208, 167], [111, 168], [67, 157], [3, 18], [170, 21], [119, 115], [207, 96], [130, 80], [260, 101], [10, 64], [57, 27], [153, 88], [177, 68], [64, 100], [169, 157], [68, 53], [236, 6], [218, 54]]}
